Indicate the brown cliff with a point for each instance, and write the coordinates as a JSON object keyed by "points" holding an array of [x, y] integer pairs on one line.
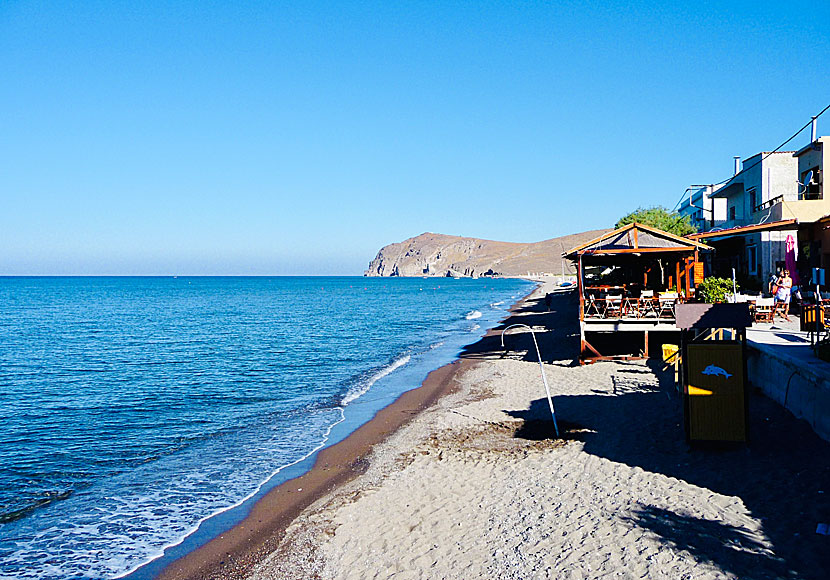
{"points": [[442, 255]]}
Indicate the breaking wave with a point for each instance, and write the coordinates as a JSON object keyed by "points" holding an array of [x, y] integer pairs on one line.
{"points": [[365, 385]]}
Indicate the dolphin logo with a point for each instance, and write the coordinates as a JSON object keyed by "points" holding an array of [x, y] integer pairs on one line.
{"points": [[713, 370]]}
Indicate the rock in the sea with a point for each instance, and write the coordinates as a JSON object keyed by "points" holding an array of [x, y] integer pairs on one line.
{"points": [[441, 255]]}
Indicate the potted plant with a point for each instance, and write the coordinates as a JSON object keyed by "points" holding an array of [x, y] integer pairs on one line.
{"points": [[714, 289]]}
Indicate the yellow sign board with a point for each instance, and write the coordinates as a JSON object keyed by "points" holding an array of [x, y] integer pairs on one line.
{"points": [[697, 268]]}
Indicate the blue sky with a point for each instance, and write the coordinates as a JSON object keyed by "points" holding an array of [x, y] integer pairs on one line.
{"points": [[298, 138]]}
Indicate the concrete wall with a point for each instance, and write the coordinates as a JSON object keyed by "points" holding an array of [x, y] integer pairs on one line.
{"points": [[779, 176], [801, 388], [808, 210]]}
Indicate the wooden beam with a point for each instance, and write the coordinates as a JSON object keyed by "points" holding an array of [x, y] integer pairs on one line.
{"points": [[613, 251]]}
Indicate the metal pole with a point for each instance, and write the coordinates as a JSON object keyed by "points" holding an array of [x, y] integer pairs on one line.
{"points": [[541, 370]]}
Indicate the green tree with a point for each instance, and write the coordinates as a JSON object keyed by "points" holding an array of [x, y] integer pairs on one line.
{"points": [[661, 218]]}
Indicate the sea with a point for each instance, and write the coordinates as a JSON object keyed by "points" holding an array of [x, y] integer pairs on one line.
{"points": [[139, 417]]}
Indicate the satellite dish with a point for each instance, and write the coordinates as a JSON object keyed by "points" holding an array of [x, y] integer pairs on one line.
{"points": [[808, 177]]}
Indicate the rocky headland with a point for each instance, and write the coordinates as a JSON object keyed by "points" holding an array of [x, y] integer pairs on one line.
{"points": [[442, 255]]}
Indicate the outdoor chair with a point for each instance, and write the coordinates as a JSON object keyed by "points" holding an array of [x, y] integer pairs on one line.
{"points": [[592, 306], [613, 305], [764, 309], [667, 301], [646, 304]]}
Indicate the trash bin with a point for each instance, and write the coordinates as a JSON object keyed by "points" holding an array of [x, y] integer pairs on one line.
{"points": [[714, 371], [715, 391]]}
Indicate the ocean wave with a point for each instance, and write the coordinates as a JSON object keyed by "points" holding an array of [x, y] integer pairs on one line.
{"points": [[475, 327], [497, 304], [473, 315], [364, 386], [155, 554]]}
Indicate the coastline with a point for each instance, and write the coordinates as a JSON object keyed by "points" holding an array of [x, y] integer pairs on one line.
{"points": [[478, 486], [234, 553]]}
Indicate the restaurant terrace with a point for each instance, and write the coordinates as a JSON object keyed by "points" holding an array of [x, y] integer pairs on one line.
{"points": [[629, 281]]}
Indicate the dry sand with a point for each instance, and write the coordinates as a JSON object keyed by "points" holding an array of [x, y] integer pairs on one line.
{"points": [[477, 487]]}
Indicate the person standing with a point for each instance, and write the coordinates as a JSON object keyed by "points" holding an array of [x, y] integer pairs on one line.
{"points": [[782, 296], [773, 281]]}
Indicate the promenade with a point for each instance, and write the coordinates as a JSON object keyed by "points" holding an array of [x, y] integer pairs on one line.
{"points": [[782, 364]]}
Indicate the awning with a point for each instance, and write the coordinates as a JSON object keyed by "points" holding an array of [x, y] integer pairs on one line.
{"points": [[742, 230]]}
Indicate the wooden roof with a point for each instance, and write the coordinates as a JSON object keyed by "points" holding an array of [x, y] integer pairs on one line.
{"points": [[635, 238]]}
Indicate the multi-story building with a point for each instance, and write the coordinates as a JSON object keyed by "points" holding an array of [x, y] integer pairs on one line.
{"points": [[813, 206], [748, 218], [700, 208]]}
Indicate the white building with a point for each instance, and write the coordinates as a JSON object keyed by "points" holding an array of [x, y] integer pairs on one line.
{"points": [[701, 209]]}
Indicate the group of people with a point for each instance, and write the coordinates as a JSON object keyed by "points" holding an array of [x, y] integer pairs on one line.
{"points": [[781, 286]]}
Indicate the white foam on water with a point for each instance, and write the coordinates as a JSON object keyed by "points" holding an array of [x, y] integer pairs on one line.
{"points": [[473, 315], [122, 521], [364, 386], [475, 327], [157, 554], [497, 304]]}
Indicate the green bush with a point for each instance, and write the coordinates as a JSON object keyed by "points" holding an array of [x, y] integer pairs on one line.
{"points": [[714, 289]]}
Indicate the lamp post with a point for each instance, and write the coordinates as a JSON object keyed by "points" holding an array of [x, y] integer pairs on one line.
{"points": [[541, 370]]}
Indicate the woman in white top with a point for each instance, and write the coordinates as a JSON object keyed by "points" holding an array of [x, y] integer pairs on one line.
{"points": [[785, 286]]}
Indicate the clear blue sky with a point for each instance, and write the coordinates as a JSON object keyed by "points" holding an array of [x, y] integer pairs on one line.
{"points": [[276, 138]]}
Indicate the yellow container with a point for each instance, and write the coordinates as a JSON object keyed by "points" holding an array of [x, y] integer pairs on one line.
{"points": [[715, 397], [670, 353]]}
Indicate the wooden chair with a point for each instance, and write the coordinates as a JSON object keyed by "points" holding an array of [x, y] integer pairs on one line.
{"points": [[667, 302], [613, 305], [594, 307], [647, 306], [764, 308]]}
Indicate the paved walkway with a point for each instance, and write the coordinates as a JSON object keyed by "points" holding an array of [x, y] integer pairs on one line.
{"points": [[785, 340]]}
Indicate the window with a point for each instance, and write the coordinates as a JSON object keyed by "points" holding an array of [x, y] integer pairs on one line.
{"points": [[810, 189], [752, 259], [752, 201], [732, 212]]}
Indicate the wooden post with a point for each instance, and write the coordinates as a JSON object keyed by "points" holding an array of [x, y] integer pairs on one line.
{"points": [[677, 271], [580, 287], [688, 273], [645, 350]]}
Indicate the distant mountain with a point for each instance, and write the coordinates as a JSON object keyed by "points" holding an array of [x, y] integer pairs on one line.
{"points": [[442, 255]]}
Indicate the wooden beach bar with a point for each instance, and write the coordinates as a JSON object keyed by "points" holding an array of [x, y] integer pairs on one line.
{"points": [[629, 281]]}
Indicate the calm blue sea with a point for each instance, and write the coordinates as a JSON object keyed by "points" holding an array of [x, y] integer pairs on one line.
{"points": [[134, 409]]}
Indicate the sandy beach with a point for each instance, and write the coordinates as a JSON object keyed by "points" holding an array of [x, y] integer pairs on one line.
{"points": [[477, 486]]}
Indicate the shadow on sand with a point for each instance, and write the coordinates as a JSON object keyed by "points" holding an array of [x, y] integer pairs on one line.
{"points": [[557, 332], [782, 475]]}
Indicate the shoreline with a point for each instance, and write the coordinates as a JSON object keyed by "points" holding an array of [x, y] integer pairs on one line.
{"points": [[233, 553]]}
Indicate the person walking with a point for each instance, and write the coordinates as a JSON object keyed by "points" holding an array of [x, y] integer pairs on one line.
{"points": [[782, 296]]}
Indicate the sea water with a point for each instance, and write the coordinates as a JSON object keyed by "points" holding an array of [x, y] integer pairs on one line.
{"points": [[135, 409]]}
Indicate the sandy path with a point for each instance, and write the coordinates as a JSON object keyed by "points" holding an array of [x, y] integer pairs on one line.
{"points": [[475, 487]]}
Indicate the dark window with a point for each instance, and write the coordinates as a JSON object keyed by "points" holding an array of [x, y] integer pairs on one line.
{"points": [[732, 212], [752, 201], [752, 258], [810, 189]]}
